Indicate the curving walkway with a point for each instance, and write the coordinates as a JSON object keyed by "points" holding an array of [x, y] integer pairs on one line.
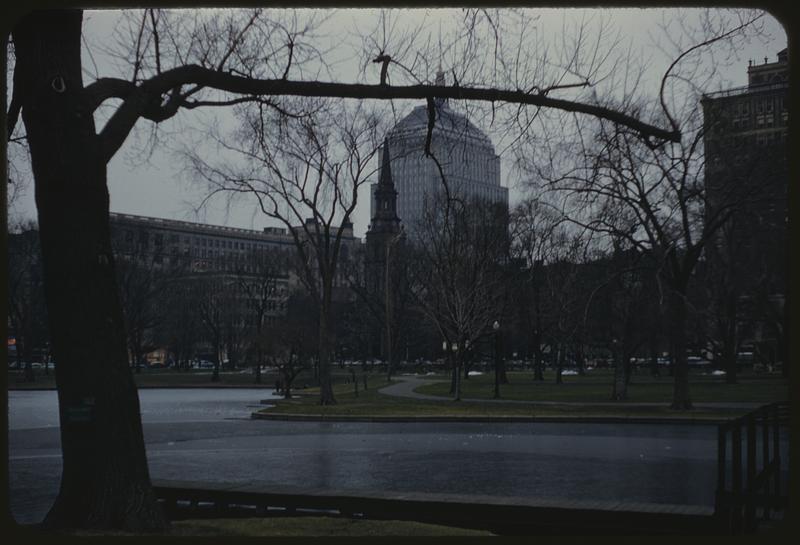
{"points": [[409, 383]]}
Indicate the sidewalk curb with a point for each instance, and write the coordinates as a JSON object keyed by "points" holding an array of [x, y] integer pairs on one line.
{"points": [[488, 419]]}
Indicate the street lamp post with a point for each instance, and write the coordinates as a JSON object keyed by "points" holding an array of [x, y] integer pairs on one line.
{"points": [[496, 327], [457, 371], [389, 246]]}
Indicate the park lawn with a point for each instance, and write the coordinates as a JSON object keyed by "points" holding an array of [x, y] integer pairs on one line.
{"points": [[595, 387], [301, 526], [372, 403], [169, 378], [316, 526]]}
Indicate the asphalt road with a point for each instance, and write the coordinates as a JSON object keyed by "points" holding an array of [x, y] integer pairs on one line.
{"points": [[206, 435]]}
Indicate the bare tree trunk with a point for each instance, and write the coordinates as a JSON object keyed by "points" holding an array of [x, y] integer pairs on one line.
{"points": [[538, 365], [501, 360], [25, 349], [457, 373], [653, 340], [105, 481], [620, 390], [287, 385], [29, 375], [560, 364], [355, 381], [627, 361], [217, 357], [326, 396], [783, 338], [259, 361], [680, 396], [729, 340]]}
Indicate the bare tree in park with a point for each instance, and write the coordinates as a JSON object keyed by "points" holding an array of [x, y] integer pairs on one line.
{"points": [[180, 326], [143, 277], [457, 273], [289, 343], [609, 171], [175, 61], [306, 173], [539, 236], [260, 283], [214, 298], [26, 312]]}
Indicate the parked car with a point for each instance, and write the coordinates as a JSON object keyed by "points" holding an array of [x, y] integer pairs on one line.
{"points": [[697, 361]]}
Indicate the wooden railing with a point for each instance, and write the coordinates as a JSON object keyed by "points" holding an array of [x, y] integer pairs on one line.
{"points": [[751, 493]]}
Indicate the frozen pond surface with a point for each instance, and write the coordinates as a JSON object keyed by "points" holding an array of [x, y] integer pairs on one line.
{"points": [[39, 409], [206, 435]]}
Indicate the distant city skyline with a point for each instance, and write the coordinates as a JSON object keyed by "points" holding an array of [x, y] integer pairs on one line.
{"points": [[156, 186]]}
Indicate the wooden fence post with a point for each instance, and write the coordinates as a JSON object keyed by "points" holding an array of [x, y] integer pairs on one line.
{"points": [[721, 507], [750, 506], [736, 477], [765, 459]]}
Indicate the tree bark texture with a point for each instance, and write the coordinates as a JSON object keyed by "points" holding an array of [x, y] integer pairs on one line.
{"points": [[105, 481], [729, 340], [326, 396], [680, 394], [620, 390]]}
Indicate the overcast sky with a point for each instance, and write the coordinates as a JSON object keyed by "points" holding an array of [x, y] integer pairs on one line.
{"points": [[159, 187]]}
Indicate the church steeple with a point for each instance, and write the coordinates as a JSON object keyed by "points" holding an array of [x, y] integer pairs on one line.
{"points": [[385, 178], [385, 196]]}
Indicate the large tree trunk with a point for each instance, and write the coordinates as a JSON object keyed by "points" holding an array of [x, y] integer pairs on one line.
{"points": [[25, 348], [501, 361], [653, 345], [621, 373], [453, 377], [325, 385], [259, 362], [457, 361], [729, 334], [783, 338], [217, 357], [538, 365], [680, 393], [580, 360], [560, 364], [105, 481]]}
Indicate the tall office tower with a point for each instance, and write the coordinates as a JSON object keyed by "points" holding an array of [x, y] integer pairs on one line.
{"points": [[470, 166], [747, 178]]}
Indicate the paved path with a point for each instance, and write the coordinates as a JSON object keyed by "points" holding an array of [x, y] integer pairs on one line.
{"points": [[409, 383]]}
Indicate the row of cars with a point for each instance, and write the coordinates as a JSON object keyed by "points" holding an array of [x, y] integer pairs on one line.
{"points": [[34, 365]]}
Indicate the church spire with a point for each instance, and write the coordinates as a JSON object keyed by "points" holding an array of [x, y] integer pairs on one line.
{"points": [[385, 214], [385, 178]]}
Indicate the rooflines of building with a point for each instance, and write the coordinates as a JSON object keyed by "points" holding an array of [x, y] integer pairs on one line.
{"points": [[277, 234]]}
